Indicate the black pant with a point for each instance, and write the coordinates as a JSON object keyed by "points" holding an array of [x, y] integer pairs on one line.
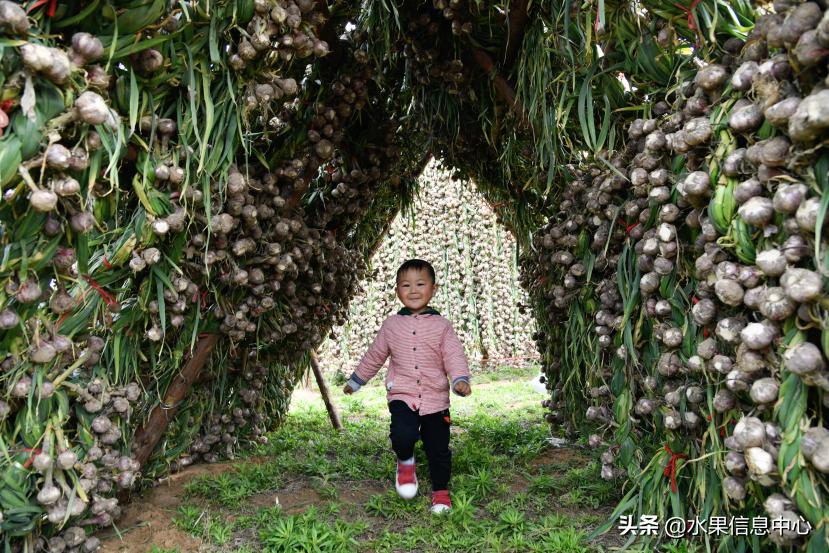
{"points": [[407, 426]]}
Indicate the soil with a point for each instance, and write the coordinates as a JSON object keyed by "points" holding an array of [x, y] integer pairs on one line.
{"points": [[147, 519]]}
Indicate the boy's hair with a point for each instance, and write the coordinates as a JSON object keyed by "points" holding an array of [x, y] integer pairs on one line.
{"points": [[417, 265]]}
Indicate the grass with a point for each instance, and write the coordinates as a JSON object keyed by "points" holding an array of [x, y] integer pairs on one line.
{"points": [[510, 491]]}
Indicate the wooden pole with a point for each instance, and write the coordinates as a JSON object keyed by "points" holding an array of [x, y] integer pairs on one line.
{"points": [[148, 436], [502, 87], [326, 398], [518, 16]]}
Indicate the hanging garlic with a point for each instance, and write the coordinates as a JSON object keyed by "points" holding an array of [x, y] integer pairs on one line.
{"points": [[802, 285]]}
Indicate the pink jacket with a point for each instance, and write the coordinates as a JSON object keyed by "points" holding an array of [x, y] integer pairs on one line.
{"points": [[424, 350]]}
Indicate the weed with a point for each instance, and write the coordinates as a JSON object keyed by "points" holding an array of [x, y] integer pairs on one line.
{"points": [[511, 520], [544, 483], [390, 506], [188, 519], [219, 531], [463, 511], [306, 533]]}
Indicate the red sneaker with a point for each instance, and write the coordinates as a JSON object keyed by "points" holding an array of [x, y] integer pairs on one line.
{"points": [[406, 480], [441, 501]]}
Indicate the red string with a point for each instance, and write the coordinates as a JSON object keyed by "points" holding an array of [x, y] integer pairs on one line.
{"points": [[60, 320], [107, 297], [670, 468], [50, 11], [628, 227], [688, 11], [106, 263], [33, 451]]}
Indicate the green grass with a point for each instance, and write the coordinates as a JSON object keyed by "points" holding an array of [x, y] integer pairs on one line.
{"points": [[506, 496]]}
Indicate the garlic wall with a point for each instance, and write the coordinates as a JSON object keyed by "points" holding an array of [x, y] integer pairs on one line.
{"points": [[451, 226]]}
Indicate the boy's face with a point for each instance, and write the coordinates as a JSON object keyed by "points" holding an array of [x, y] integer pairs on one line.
{"points": [[415, 289]]}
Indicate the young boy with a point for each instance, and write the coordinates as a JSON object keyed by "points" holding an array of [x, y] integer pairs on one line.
{"points": [[424, 349]]}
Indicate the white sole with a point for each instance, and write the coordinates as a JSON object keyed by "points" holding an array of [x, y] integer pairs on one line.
{"points": [[406, 491]]}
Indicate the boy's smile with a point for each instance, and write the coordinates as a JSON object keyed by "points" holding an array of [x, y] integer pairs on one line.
{"points": [[415, 289]]}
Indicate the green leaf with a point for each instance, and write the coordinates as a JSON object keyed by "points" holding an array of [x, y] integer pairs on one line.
{"points": [[10, 159], [134, 97]]}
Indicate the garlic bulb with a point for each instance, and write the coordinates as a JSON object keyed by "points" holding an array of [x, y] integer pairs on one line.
{"points": [[43, 200], [788, 197], [8, 319], [747, 189], [82, 222], [13, 18], [802, 285], [803, 359], [771, 262], [711, 77], [750, 361], [707, 348], [734, 488], [750, 432], [87, 46], [807, 214], [729, 292], [737, 381], [728, 330], [67, 459], [776, 305], [757, 335], [721, 364], [741, 79], [760, 465], [91, 108], [779, 114], [66, 186], [810, 440], [757, 211], [776, 503], [754, 297], [42, 352], [735, 463], [820, 457], [724, 401], [765, 390], [52, 63]]}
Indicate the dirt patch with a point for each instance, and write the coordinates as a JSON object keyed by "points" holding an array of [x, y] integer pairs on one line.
{"points": [[147, 519], [563, 458], [567, 457], [299, 494]]}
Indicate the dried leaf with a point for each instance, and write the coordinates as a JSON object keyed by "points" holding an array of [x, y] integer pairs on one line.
{"points": [[28, 100]]}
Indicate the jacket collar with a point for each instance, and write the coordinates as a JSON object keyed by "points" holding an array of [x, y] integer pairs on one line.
{"points": [[427, 311]]}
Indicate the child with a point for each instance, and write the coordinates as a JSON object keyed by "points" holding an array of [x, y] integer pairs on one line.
{"points": [[424, 349]]}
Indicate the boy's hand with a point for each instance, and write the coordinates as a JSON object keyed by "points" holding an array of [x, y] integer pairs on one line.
{"points": [[347, 390], [463, 388]]}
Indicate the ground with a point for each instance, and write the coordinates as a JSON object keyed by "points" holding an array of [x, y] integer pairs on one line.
{"points": [[316, 490]]}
